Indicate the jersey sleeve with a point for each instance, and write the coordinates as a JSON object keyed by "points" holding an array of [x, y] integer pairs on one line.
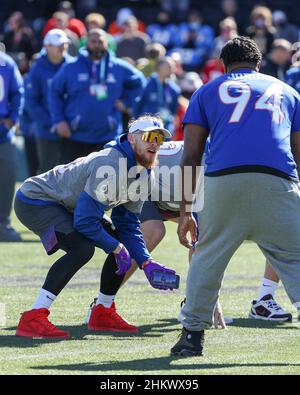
{"points": [[295, 127], [195, 112], [126, 219], [87, 215]]}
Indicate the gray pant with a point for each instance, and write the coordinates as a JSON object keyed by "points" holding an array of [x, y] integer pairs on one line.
{"points": [[8, 170], [238, 207]]}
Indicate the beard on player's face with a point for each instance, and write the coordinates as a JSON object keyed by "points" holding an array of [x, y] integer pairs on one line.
{"points": [[145, 153]]}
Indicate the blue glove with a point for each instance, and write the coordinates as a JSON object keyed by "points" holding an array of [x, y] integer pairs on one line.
{"points": [[152, 265], [123, 261]]}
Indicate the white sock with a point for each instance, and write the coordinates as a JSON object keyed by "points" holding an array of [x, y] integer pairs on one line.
{"points": [[44, 299], [105, 300], [268, 287]]}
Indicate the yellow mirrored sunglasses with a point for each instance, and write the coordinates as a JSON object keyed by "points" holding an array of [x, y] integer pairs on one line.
{"points": [[150, 137]]}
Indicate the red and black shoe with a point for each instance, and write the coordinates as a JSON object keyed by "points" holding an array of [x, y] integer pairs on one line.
{"points": [[35, 323], [107, 319]]}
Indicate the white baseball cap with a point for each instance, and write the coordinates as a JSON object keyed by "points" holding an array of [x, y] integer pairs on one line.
{"points": [[191, 82], [149, 125], [56, 37]]}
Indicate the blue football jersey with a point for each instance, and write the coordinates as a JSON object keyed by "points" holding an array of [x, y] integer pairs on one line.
{"points": [[250, 117]]}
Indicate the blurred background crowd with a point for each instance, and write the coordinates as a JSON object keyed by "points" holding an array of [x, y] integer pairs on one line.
{"points": [[73, 73]]}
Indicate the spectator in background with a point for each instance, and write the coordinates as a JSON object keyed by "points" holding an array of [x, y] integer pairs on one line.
{"points": [[178, 69], [61, 22], [73, 24], [84, 7], [164, 31], [229, 8], [88, 95], [11, 91], [160, 95], [36, 97], [214, 67], [189, 84], [292, 76], [132, 43], [178, 9], [228, 30], [116, 28], [279, 59], [153, 52], [196, 42], [19, 41], [261, 31], [284, 29], [97, 21]]}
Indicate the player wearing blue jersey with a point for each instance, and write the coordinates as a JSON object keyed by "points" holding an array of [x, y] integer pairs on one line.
{"points": [[251, 189], [11, 86]]}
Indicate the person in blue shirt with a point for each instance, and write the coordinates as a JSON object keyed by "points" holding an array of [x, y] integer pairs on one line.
{"points": [[163, 31], [66, 208], [88, 96], [195, 43], [11, 90], [37, 85], [161, 94], [251, 183]]}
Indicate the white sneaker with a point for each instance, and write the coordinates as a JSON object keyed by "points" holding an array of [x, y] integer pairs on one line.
{"points": [[87, 318], [269, 310]]}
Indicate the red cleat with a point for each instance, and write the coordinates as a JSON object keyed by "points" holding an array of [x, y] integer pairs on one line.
{"points": [[107, 319], [35, 323]]}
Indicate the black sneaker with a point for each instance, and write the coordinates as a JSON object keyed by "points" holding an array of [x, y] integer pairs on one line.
{"points": [[268, 309], [190, 344]]}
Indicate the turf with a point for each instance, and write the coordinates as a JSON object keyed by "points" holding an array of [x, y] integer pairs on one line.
{"points": [[248, 347]]}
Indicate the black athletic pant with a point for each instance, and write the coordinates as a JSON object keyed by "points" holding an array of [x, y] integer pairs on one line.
{"points": [[8, 173], [31, 156], [71, 150], [79, 251], [48, 152]]}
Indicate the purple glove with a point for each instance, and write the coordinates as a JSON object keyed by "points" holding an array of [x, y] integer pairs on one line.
{"points": [[123, 261], [152, 265]]}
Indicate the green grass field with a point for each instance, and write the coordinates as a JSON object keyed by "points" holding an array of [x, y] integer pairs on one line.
{"points": [[248, 347]]}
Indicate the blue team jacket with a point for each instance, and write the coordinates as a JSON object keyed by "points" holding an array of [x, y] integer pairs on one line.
{"points": [[157, 98], [93, 120], [196, 53], [11, 90], [37, 86]]}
